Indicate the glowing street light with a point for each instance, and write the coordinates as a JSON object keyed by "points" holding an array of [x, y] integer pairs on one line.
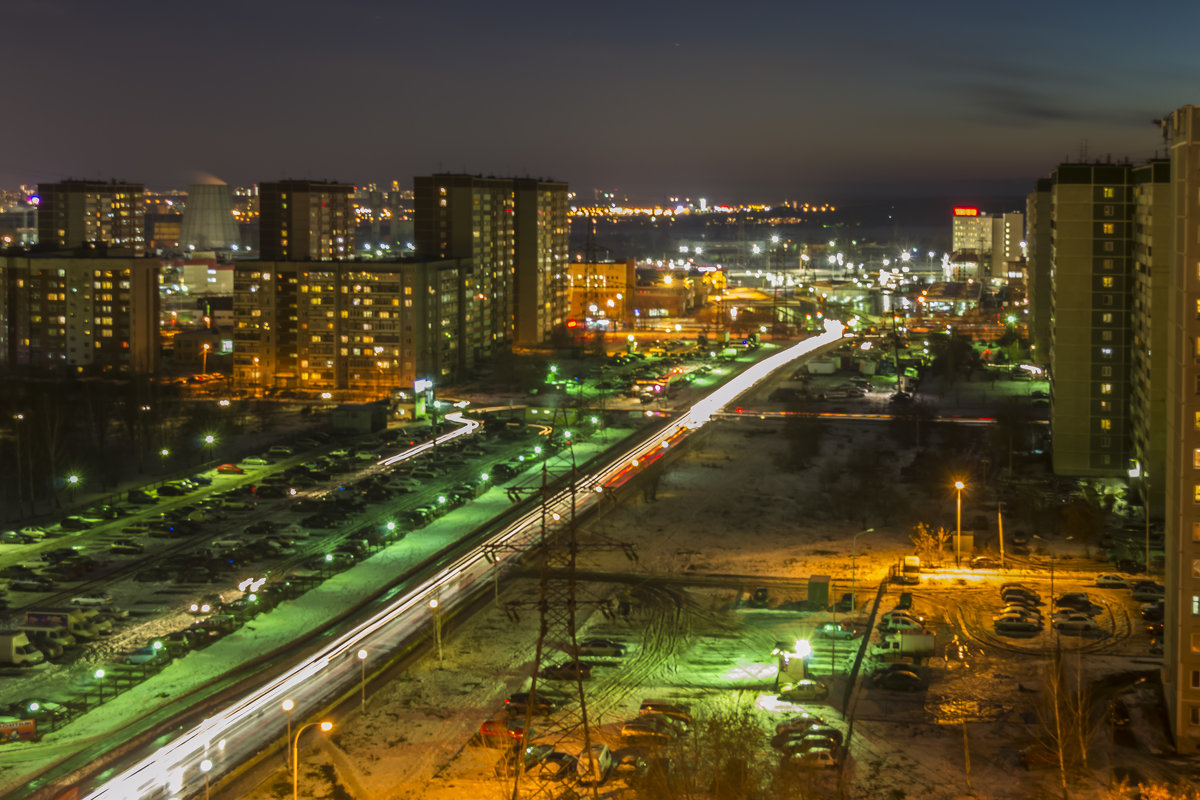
{"points": [[206, 766], [288, 705], [958, 488], [326, 727], [437, 625]]}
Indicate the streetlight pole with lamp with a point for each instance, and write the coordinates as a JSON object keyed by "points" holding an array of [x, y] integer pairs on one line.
{"points": [[958, 487], [206, 767], [204, 358], [854, 567], [288, 705], [362, 685], [325, 728], [437, 625]]}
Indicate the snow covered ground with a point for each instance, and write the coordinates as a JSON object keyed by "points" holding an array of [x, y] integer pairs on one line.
{"points": [[724, 520]]}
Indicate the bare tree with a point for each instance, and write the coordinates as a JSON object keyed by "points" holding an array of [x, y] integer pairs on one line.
{"points": [[929, 540]]}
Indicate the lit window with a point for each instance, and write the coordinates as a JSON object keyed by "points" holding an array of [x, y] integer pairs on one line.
{"points": [[1196, 567], [1196, 493], [1106, 388], [1108, 228], [1107, 316], [1106, 425], [1109, 193], [1107, 281]]}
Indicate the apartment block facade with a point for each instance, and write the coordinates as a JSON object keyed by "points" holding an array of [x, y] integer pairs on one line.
{"points": [[1148, 346], [306, 221], [368, 327], [515, 233], [76, 214], [1181, 653], [80, 315], [1091, 257]]}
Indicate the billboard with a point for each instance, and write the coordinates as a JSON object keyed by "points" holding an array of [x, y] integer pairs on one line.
{"points": [[966, 211]]}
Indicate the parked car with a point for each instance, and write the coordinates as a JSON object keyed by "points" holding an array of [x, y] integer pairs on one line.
{"points": [[145, 655], [16, 537], [899, 680], [798, 722], [815, 758], [833, 630], [1110, 580], [543, 703], [1148, 591], [502, 731], [506, 767], [1013, 624], [1076, 623], [1153, 612], [985, 562], [600, 648], [666, 708], [126, 547], [806, 689], [1074, 600], [568, 671]]}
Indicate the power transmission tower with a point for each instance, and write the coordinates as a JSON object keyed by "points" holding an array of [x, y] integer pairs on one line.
{"points": [[556, 604]]}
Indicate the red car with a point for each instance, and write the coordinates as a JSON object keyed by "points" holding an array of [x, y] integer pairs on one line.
{"points": [[230, 469]]}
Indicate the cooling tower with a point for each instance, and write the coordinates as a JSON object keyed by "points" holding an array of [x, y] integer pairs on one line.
{"points": [[208, 222]]}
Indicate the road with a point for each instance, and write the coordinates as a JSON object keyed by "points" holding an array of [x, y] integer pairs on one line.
{"points": [[221, 742]]}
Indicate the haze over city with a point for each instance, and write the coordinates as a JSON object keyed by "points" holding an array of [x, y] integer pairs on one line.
{"points": [[742, 102]]}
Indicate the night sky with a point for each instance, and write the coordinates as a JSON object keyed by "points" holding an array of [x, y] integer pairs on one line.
{"points": [[731, 101]]}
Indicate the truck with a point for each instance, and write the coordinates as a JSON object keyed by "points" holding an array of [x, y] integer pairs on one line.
{"points": [[917, 645], [74, 620], [50, 639], [16, 650]]}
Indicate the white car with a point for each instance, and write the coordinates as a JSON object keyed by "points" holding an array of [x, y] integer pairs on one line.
{"points": [[1111, 581], [1076, 623]]}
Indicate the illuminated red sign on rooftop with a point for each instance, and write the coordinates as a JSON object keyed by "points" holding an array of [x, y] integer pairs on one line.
{"points": [[966, 211]]}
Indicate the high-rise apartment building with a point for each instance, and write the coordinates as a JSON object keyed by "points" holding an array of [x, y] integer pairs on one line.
{"points": [[1148, 346], [80, 315], [1181, 653], [1038, 266], [542, 233], [991, 241], [1091, 249], [474, 218], [74, 214], [515, 233], [306, 221], [367, 327]]}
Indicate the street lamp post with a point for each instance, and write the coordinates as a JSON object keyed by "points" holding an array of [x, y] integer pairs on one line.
{"points": [[437, 626], [362, 662], [288, 705], [73, 482], [854, 567], [958, 487], [206, 767], [325, 727], [204, 357]]}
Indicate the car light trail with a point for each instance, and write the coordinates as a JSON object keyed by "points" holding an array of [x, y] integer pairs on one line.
{"points": [[237, 732]]}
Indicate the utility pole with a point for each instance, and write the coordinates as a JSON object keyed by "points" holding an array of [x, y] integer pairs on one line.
{"points": [[1000, 528]]}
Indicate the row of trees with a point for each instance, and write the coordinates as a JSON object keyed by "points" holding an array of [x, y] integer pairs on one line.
{"points": [[104, 432]]}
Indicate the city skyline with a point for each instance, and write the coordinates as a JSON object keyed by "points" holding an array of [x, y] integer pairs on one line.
{"points": [[822, 103]]}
